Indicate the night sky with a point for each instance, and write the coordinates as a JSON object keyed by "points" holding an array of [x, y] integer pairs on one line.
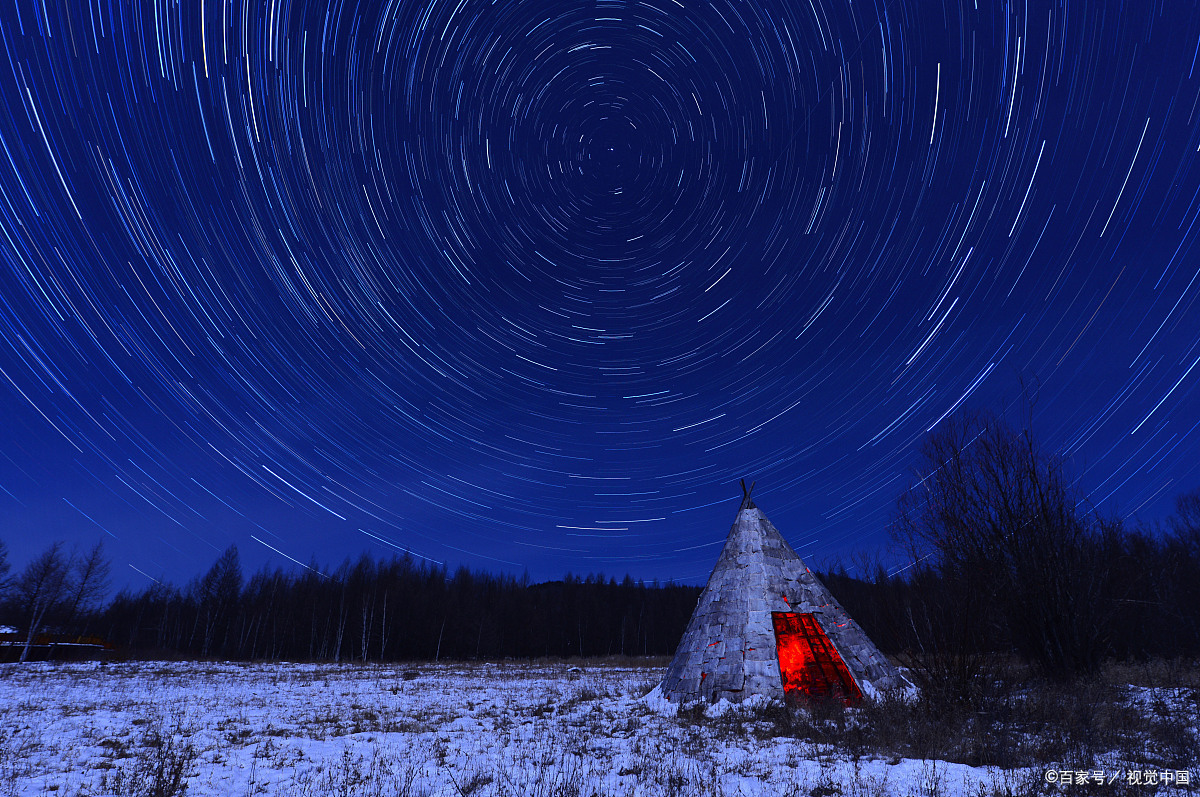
{"points": [[530, 285]]}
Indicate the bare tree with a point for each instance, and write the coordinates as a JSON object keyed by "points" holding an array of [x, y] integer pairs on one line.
{"points": [[217, 594], [1186, 522], [3, 570], [41, 588], [1181, 581], [999, 518], [88, 585]]}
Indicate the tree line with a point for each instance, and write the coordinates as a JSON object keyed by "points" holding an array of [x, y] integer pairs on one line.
{"points": [[364, 610], [1006, 556]]}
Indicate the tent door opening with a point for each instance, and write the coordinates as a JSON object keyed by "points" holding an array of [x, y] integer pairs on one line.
{"points": [[809, 664]]}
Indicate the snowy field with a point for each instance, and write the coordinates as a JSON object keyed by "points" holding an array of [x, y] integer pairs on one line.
{"points": [[447, 729]]}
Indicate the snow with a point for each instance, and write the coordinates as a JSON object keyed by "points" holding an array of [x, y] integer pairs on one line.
{"points": [[417, 729]]}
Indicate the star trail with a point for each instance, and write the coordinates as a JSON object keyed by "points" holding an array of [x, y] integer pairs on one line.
{"points": [[530, 285]]}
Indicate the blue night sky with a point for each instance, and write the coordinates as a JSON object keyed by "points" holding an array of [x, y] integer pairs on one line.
{"points": [[530, 285]]}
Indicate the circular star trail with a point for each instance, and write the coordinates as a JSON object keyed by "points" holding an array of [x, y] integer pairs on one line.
{"points": [[531, 285]]}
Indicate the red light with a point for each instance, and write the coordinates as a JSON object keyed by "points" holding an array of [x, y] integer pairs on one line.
{"points": [[808, 662]]}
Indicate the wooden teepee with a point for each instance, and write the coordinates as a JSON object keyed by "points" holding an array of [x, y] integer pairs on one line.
{"points": [[764, 625]]}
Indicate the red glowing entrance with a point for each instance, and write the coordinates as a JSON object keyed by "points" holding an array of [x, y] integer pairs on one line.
{"points": [[808, 662]]}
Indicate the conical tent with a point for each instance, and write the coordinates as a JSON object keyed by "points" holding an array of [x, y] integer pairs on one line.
{"points": [[764, 625]]}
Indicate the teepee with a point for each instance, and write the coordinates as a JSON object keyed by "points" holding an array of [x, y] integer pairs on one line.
{"points": [[764, 625]]}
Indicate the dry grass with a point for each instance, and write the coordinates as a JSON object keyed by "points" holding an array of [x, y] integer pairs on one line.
{"points": [[1140, 716], [159, 765], [569, 729]]}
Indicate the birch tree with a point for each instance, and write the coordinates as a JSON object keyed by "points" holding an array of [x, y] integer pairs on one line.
{"points": [[41, 589]]}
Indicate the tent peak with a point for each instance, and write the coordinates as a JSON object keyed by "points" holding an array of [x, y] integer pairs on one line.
{"points": [[747, 501]]}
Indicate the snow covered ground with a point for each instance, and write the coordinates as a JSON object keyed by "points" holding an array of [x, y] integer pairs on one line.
{"points": [[445, 729]]}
